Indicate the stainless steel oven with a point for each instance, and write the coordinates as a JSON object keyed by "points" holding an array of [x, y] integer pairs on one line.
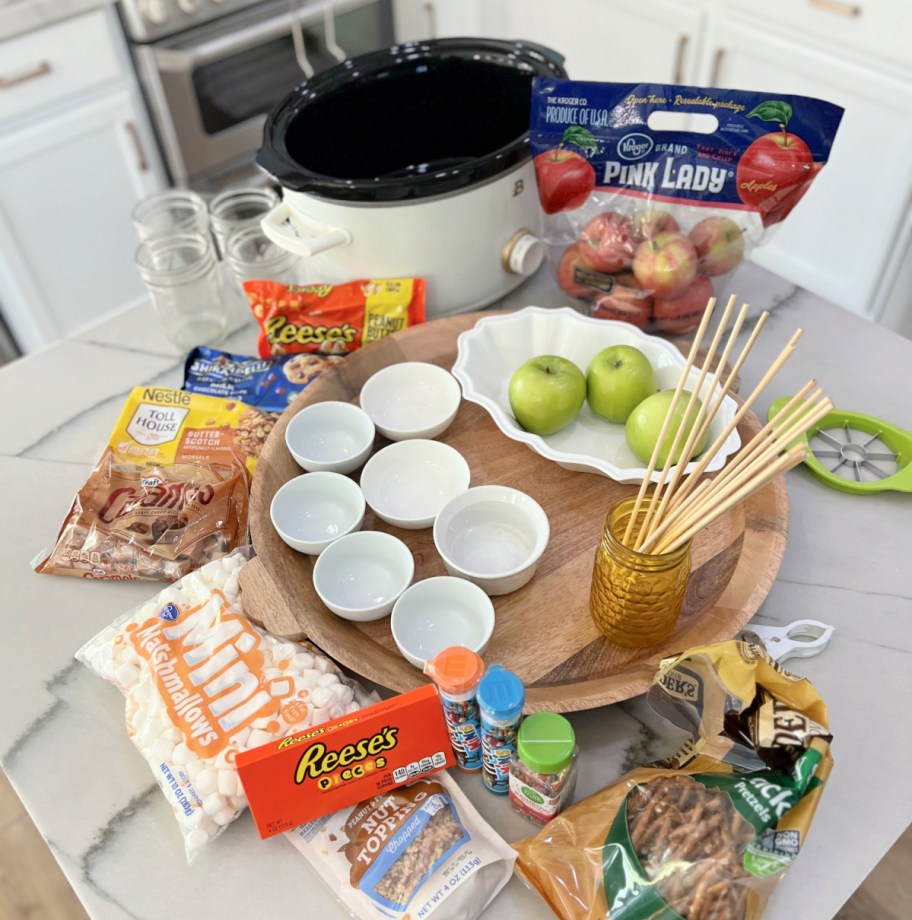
{"points": [[209, 85]]}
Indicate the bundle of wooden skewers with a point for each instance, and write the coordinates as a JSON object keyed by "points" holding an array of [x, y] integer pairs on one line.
{"points": [[679, 506]]}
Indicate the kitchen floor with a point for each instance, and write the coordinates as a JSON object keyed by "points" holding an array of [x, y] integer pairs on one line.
{"points": [[32, 886]]}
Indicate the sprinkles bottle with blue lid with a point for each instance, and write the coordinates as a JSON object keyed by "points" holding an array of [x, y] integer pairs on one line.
{"points": [[501, 697]]}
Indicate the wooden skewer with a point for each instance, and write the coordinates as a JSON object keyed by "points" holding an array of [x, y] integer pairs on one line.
{"points": [[743, 409], [701, 423], [789, 459], [650, 469], [787, 424], [765, 450], [691, 416], [689, 484]]}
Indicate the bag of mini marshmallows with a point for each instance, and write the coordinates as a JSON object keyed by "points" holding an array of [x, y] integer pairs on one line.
{"points": [[202, 684]]}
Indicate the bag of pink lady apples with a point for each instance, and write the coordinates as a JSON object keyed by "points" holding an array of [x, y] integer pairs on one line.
{"points": [[655, 193]]}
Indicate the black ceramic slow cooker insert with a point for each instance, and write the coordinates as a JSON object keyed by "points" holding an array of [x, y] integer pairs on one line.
{"points": [[409, 122]]}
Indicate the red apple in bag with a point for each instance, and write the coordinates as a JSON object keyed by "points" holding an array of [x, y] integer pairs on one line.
{"points": [[666, 264], [684, 312], [627, 302], [650, 223], [608, 240], [573, 257], [720, 244]]}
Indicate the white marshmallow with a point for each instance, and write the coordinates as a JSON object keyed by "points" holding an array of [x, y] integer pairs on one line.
{"points": [[182, 754], [227, 783], [213, 804], [206, 781]]}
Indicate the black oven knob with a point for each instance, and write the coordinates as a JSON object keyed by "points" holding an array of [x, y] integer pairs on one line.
{"points": [[154, 11]]}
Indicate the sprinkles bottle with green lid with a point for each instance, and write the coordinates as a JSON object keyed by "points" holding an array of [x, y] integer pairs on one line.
{"points": [[543, 772]]}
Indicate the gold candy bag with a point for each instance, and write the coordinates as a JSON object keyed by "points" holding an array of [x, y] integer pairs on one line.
{"points": [[706, 834]]}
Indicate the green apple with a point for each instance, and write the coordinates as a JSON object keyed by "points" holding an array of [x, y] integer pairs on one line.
{"points": [[546, 393], [645, 425], [618, 379]]}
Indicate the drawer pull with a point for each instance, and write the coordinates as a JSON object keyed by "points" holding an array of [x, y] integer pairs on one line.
{"points": [[141, 162], [683, 41], [40, 71], [718, 58], [849, 10]]}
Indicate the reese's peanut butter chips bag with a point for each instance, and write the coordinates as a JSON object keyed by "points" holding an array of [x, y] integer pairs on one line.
{"points": [[332, 319], [169, 493], [706, 834]]}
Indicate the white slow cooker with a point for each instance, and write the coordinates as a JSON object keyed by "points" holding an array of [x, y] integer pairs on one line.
{"points": [[414, 162]]}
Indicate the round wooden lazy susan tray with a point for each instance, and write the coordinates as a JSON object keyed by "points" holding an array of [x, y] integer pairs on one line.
{"points": [[543, 632]]}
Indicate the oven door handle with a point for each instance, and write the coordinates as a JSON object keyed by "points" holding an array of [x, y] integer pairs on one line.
{"points": [[178, 60], [311, 237]]}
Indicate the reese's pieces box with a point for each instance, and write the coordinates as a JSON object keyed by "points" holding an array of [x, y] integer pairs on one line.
{"points": [[318, 771]]}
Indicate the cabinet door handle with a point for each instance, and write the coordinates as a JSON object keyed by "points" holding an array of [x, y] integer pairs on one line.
{"points": [[41, 70], [432, 19], [849, 10], [683, 41], [141, 162], [717, 66]]}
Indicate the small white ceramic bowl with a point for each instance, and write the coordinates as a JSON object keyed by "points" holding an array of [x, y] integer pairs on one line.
{"points": [[330, 436], [361, 575], [408, 482], [411, 400], [436, 613], [493, 536], [312, 510]]}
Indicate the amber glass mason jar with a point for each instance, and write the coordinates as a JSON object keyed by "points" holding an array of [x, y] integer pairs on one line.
{"points": [[636, 597]]}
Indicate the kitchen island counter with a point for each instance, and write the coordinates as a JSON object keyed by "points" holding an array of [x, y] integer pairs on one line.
{"points": [[62, 737]]}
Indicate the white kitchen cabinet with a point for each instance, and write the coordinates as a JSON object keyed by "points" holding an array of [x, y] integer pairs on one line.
{"points": [[615, 41], [415, 20], [841, 240], [74, 159], [608, 40]]}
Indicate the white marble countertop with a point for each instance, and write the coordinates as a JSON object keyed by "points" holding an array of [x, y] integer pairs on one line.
{"points": [[65, 749]]}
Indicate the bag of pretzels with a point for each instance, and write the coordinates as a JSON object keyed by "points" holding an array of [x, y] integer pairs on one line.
{"points": [[706, 834]]}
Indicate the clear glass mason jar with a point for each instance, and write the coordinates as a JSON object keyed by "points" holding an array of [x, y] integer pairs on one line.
{"points": [[237, 208], [180, 272], [252, 256], [636, 597], [172, 211]]}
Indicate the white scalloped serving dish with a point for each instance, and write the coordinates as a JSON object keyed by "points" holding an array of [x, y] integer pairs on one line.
{"points": [[489, 353]]}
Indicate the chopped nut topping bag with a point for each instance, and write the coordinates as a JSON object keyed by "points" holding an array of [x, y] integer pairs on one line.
{"points": [[706, 834], [169, 493], [414, 851]]}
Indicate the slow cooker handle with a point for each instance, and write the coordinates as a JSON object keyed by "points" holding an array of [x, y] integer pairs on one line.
{"points": [[325, 237]]}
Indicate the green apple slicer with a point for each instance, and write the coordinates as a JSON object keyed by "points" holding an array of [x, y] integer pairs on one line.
{"points": [[857, 453]]}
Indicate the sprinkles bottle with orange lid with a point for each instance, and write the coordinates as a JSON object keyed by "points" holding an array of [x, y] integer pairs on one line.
{"points": [[457, 671]]}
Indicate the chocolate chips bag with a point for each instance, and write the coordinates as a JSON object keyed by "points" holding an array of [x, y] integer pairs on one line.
{"points": [[414, 851], [706, 834], [169, 493]]}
